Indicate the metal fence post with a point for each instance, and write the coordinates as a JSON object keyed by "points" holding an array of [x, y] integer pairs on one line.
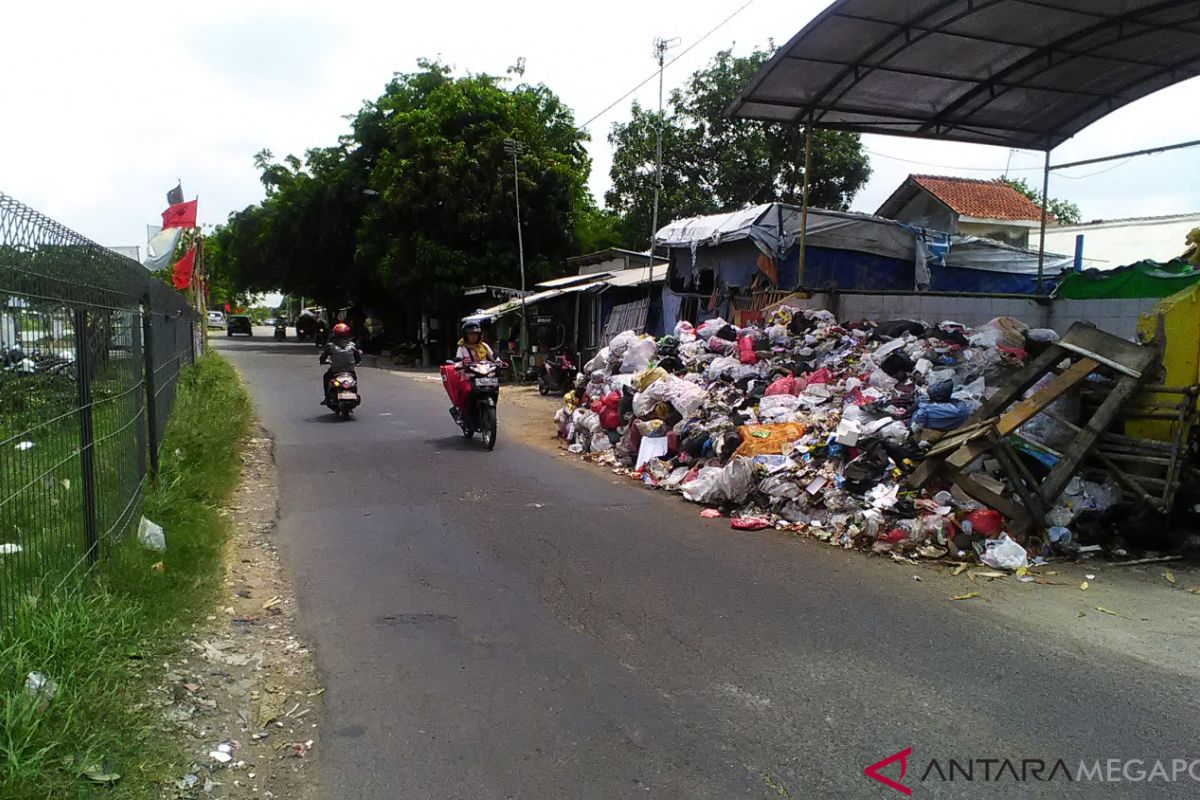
{"points": [[135, 335], [83, 377], [151, 388]]}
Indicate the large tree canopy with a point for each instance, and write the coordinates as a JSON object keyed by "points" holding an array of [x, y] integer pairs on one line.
{"points": [[418, 200], [712, 163]]}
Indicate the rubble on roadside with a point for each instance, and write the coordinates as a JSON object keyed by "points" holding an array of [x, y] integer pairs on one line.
{"points": [[816, 427]]}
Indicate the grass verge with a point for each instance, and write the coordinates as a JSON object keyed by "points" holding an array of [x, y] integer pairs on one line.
{"points": [[103, 640]]}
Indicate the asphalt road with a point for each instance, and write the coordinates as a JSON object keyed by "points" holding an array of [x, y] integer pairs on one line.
{"points": [[516, 625]]}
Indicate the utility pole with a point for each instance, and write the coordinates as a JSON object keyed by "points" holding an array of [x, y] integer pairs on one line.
{"points": [[661, 46], [514, 148]]}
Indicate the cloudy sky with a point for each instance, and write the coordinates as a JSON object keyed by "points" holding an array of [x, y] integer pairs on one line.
{"points": [[106, 104]]}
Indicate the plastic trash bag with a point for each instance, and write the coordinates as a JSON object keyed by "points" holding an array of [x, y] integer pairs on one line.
{"points": [[620, 343], [942, 416], [684, 332], [1004, 553], [637, 355], [710, 327], [151, 536], [598, 362]]}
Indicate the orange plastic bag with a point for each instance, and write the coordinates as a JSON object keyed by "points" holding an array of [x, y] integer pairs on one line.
{"points": [[768, 440]]}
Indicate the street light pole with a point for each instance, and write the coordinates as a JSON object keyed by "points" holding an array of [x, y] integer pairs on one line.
{"points": [[514, 148]]}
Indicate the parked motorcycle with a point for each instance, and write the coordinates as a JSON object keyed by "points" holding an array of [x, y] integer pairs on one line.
{"points": [[557, 375], [280, 331], [479, 412], [341, 394]]}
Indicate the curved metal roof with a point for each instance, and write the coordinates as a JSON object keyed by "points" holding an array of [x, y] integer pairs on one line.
{"points": [[1015, 73]]}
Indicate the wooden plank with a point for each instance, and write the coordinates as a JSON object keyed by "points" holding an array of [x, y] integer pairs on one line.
{"points": [[1125, 356], [1013, 510], [1028, 408], [1127, 481], [1019, 382], [1058, 478]]}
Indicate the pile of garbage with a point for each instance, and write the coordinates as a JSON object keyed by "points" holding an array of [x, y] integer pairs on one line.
{"points": [[810, 425]]}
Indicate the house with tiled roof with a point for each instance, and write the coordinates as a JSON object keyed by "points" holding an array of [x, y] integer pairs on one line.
{"points": [[965, 206]]}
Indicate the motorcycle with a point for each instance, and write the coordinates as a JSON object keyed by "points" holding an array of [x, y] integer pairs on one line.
{"points": [[280, 331], [341, 395], [480, 406], [557, 375]]}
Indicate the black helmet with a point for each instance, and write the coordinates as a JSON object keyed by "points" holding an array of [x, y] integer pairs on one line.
{"points": [[471, 327]]}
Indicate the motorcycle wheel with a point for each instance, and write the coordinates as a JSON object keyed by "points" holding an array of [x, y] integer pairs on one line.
{"points": [[543, 389], [487, 426]]}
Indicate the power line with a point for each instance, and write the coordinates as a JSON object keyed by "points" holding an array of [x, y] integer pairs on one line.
{"points": [[654, 74], [953, 166]]}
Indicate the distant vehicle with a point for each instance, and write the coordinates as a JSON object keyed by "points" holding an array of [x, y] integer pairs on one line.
{"points": [[216, 319], [239, 323], [269, 321]]}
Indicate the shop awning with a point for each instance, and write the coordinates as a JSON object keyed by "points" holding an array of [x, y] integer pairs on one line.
{"points": [[1015, 73]]}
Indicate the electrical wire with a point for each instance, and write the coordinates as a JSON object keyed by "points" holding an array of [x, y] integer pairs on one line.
{"points": [[654, 74], [952, 166]]}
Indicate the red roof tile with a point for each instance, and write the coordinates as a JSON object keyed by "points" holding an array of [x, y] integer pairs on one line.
{"points": [[981, 199]]}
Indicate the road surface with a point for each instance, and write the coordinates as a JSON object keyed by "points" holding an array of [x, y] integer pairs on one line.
{"points": [[517, 625]]}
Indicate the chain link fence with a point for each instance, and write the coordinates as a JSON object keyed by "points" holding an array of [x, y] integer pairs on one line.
{"points": [[91, 347]]}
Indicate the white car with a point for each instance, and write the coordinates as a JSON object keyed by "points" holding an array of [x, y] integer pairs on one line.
{"points": [[216, 319]]}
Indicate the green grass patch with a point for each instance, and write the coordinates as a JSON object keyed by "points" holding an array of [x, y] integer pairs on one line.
{"points": [[103, 639]]}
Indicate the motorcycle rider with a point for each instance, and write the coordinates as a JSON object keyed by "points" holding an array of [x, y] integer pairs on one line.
{"points": [[341, 354], [471, 350], [471, 347]]}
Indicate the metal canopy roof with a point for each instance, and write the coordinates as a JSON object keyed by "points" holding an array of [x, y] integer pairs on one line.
{"points": [[1015, 73]]}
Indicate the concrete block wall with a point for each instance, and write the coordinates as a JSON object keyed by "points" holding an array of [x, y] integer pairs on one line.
{"points": [[1118, 317]]}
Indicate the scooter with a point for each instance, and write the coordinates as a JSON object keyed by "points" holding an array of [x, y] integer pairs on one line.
{"points": [[280, 331], [341, 395], [480, 407], [557, 374]]}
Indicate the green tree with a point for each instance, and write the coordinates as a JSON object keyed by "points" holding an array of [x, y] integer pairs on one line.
{"points": [[713, 163], [1066, 212], [417, 200]]}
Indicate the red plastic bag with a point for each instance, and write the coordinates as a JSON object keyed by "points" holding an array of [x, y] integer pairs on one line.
{"points": [[785, 384], [748, 523], [822, 375], [893, 536], [985, 522], [746, 352]]}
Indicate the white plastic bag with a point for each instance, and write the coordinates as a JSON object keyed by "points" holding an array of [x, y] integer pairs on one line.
{"points": [[151, 536], [620, 343], [710, 327], [598, 362], [1004, 553], [637, 355], [650, 447]]}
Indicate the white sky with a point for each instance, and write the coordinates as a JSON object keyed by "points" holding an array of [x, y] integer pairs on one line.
{"points": [[106, 104]]}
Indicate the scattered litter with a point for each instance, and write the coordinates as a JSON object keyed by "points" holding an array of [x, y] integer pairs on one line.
{"points": [[1083, 586], [151, 536], [710, 513], [274, 601], [24, 445], [38, 686], [96, 771], [882, 437], [967, 596], [10, 549], [1170, 576], [1110, 612]]}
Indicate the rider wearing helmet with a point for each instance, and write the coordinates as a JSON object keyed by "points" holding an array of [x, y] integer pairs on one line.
{"points": [[472, 347], [341, 354]]}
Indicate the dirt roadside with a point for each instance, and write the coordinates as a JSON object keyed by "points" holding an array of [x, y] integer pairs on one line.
{"points": [[244, 699], [1149, 612]]}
